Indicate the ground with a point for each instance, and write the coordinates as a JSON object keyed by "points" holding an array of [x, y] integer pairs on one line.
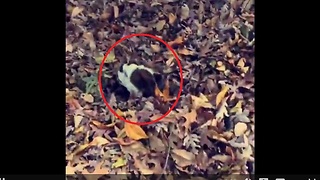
{"points": [[210, 131]]}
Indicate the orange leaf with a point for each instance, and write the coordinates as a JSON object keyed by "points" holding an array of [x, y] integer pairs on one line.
{"points": [[166, 91], [178, 40], [221, 94], [134, 132]]}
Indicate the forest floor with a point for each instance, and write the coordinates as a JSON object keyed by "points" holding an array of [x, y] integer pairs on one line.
{"points": [[210, 130]]}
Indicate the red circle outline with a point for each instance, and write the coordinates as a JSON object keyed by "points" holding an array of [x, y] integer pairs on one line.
{"points": [[100, 75]]}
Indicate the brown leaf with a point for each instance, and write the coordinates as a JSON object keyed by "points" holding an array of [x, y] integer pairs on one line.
{"points": [[172, 18], [182, 157], [115, 11], [156, 144], [221, 94], [222, 158], [76, 11], [178, 40], [190, 118], [185, 52], [99, 170], [201, 101], [89, 39], [240, 128], [155, 47], [160, 25], [99, 141], [77, 119], [220, 66], [134, 148], [100, 125], [134, 131], [185, 11], [87, 97]]}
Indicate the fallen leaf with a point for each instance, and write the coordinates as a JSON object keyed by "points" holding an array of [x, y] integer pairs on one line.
{"points": [[160, 25], [99, 141], [241, 65], [166, 91], [100, 125], [115, 11], [182, 157], [155, 47], [221, 94], [185, 11], [111, 57], [87, 97], [220, 66], [89, 39], [172, 18], [237, 108], [119, 112], [134, 148], [190, 118], [77, 120], [134, 132], [222, 111], [99, 170], [178, 40], [222, 158], [201, 101], [240, 128], [185, 52], [76, 11], [69, 48], [119, 163], [156, 144]]}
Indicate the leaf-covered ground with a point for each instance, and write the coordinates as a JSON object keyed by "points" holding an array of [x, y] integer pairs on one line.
{"points": [[209, 132]]}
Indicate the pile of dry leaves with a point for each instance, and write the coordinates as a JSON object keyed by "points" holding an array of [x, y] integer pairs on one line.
{"points": [[210, 132]]}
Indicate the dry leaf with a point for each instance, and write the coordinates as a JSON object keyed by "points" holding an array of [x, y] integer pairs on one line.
{"points": [[221, 94], [185, 52], [77, 120], [201, 101], [222, 158], [160, 25], [178, 40], [69, 48], [100, 125], [89, 39], [99, 141], [241, 65], [119, 163], [111, 57], [134, 148], [155, 47], [156, 144], [190, 118], [220, 66], [240, 128], [76, 11], [115, 11], [237, 108], [87, 97], [182, 157], [222, 111], [172, 18], [185, 12], [99, 171], [134, 131]]}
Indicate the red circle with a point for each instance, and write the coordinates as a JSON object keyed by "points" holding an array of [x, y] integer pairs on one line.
{"points": [[100, 75]]}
